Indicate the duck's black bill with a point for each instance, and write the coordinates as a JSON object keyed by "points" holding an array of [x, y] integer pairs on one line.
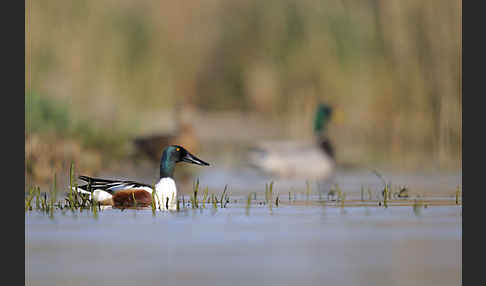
{"points": [[189, 158]]}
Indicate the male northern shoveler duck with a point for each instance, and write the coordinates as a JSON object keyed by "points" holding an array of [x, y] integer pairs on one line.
{"points": [[299, 160], [122, 193]]}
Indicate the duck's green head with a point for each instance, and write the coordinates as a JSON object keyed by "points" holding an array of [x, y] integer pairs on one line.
{"points": [[322, 117], [173, 155]]}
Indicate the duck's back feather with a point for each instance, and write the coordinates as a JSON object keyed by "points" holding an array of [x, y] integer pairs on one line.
{"points": [[111, 186]]}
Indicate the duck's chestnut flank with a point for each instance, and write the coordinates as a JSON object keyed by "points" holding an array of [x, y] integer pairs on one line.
{"points": [[125, 198]]}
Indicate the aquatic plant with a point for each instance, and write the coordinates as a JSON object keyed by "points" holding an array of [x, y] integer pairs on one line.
{"points": [[194, 198], [386, 195], [307, 190], [222, 195], [330, 194], [46, 201], [29, 198], [215, 201], [248, 204], [418, 204], [269, 193], [205, 196], [339, 192], [154, 197], [403, 192], [458, 194]]}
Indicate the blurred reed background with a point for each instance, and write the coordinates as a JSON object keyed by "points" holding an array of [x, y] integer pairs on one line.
{"points": [[100, 72]]}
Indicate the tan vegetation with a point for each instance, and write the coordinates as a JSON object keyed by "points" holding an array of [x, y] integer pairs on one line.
{"points": [[48, 155], [391, 68]]}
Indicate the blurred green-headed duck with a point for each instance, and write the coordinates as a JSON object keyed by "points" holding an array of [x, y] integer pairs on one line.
{"points": [[313, 160]]}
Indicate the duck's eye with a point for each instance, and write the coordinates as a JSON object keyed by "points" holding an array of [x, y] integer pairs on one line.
{"points": [[178, 149]]}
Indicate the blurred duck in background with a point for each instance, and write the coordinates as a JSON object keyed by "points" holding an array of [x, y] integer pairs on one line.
{"points": [[299, 160], [184, 135]]}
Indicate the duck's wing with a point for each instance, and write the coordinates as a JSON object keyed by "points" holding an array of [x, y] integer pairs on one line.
{"points": [[110, 186]]}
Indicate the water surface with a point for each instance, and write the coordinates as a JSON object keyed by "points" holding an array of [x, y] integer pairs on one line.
{"points": [[289, 245]]}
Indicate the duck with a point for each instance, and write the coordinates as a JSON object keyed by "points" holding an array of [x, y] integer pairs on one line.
{"points": [[287, 159], [184, 134], [123, 193], [151, 145]]}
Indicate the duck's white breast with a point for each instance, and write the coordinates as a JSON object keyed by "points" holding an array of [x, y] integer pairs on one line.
{"points": [[166, 191]]}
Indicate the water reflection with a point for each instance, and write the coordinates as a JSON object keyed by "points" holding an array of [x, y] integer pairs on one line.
{"points": [[294, 243]]}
